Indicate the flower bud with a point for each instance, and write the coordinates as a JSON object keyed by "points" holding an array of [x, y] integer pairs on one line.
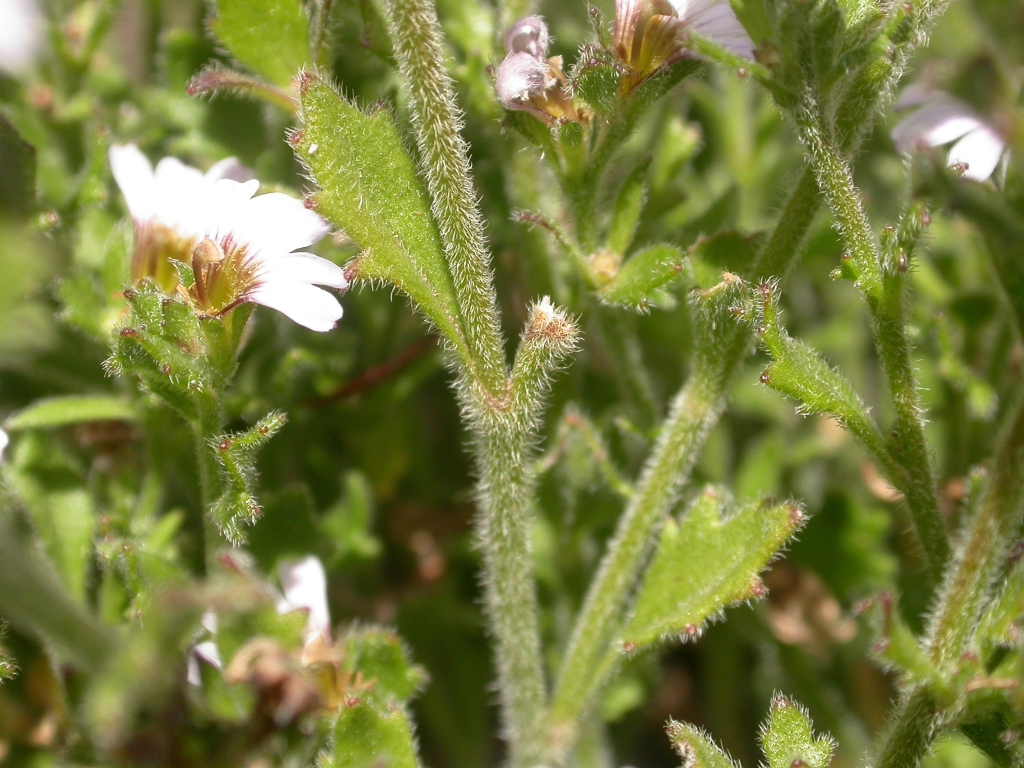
{"points": [[528, 35]]}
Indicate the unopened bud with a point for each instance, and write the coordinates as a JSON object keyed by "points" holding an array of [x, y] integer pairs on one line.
{"points": [[528, 35]]}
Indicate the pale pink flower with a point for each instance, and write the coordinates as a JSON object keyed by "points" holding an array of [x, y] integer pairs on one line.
{"points": [[939, 119]]}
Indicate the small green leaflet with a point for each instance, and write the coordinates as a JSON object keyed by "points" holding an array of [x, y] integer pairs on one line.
{"points": [[56, 412], [706, 563], [370, 189], [788, 738], [642, 276], [696, 748], [270, 37]]}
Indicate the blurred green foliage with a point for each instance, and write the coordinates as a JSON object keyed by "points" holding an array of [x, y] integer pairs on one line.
{"points": [[370, 473]]}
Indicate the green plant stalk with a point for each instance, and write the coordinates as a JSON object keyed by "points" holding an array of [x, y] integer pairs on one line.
{"points": [[909, 447], [912, 731], [986, 546], [34, 601], [628, 366], [505, 501], [205, 430], [419, 50], [967, 586], [505, 434], [693, 412]]}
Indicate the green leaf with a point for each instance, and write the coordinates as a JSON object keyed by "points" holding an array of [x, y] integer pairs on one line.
{"points": [[787, 738], [270, 37], [628, 206], [895, 646], [642, 276], [56, 412], [706, 563], [798, 371], [1001, 624], [369, 188], [696, 748], [237, 506], [368, 735], [379, 655], [18, 178]]}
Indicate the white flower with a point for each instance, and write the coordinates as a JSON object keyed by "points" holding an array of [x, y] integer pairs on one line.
{"points": [[241, 247], [4, 440], [21, 33], [304, 584], [940, 119]]}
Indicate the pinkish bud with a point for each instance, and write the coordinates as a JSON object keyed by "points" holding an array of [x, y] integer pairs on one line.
{"points": [[528, 35], [520, 77]]}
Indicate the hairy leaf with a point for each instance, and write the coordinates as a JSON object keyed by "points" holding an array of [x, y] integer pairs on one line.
{"points": [[369, 188], [696, 748], [706, 563], [642, 276], [270, 37], [368, 735], [628, 206], [18, 180], [787, 738], [379, 655]]}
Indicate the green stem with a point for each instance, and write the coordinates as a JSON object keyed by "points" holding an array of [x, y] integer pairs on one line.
{"points": [[620, 337], [912, 731], [693, 412], [888, 312], [994, 527], [34, 601], [506, 431], [204, 431], [419, 49]]}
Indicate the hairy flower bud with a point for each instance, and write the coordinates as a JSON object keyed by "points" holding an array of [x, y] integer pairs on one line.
{"points": [[526, 81], [528, 35]]}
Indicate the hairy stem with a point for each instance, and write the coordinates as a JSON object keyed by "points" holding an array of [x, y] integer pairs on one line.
{"points": [[204, 431], [437, 120], [34, 601], [693, 412], [986, 546], [506, 433], [912, 731], [909, 447]]}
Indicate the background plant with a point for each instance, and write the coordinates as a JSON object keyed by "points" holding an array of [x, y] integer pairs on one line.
{"points": [[613, 287]]}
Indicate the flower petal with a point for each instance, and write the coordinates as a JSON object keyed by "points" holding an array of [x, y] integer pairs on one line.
{"points": [[305, 304], [305, 588], [275, 223], [302, 268], [229, 168], [980, 150], [134, 175], [519, 76], [716, 20], [4, 440], [936, 123]]}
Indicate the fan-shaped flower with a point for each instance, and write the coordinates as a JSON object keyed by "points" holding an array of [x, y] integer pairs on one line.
{"points": [[21, 32], [241, 247], [939, 119], [651, 34], [528, 81]]}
